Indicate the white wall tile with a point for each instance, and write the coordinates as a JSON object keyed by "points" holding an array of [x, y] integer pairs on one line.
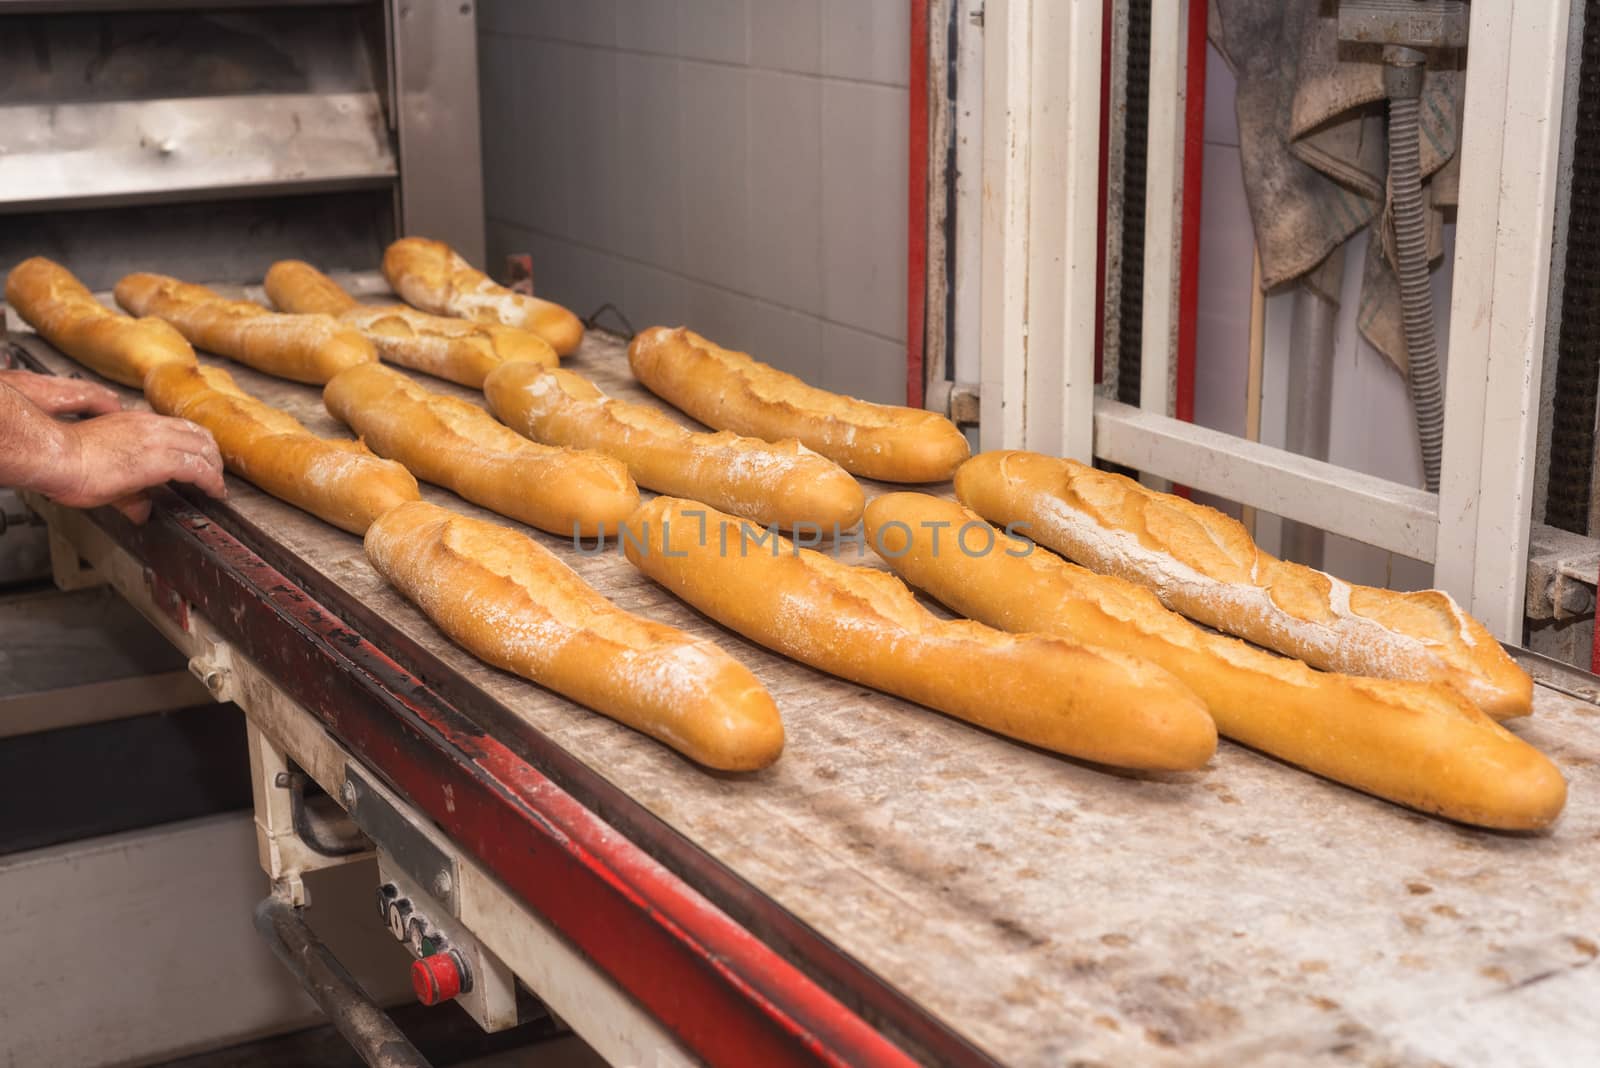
{"points": [[785, 242], [714, 150], [580, 278], [524, 17], [594, 159], [717, 30], [1222, 327], [500, 77], [786, 35], [1222, 120], [864, 207], [867, 40], [654, 297], [541, 124], [591, 22], [862, 365], [648, 26], [649, 105]]}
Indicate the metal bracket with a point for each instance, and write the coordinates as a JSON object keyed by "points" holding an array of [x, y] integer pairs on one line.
{"points": [[401, 840]]}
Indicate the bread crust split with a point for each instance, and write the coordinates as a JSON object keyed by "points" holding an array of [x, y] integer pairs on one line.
{"points": [[866, 626], [514, 604], [1418, 744], [782, 484], [302, 348], [1205, 565], [340, 482], [453, 349], [729, 390], [457, 445], [432, 276], [63, 311]]}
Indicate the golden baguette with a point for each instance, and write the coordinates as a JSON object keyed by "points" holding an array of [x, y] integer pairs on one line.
{"points": [[65, 313], [302, 348], [1415, 743], [433, 277], [866, 626], [461, 447], [781, 483], [515, 605], [729, 390], [1203, 564], [452, 349], [336, 481]]}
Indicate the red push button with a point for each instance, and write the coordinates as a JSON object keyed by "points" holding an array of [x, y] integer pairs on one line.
{"points": [[436, 979]]}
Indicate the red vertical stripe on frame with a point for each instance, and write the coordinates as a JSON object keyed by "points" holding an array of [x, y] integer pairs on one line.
{"points": [[917, 168], [1194, 130], [1107, 13]]}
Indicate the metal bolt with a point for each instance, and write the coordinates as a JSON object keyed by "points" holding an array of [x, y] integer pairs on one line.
{"points": [[442, 884], [348, 792]]}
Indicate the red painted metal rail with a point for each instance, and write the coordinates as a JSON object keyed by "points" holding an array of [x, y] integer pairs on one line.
{"points": [[721, 990]]}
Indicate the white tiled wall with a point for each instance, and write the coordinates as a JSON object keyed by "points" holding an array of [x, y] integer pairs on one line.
{"points": [[737, 166]]}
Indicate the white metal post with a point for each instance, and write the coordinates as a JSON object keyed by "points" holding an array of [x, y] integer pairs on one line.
{"points": [[1163, 197], [1509, 151]]}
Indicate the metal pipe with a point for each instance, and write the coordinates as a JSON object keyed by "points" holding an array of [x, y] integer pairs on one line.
{"points": [[1310, 402], [368, 1029]]}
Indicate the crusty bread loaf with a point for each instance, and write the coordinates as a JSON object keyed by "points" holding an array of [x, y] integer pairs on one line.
{"points": [[729, 390], [336, 481], [781, 483], [865, 626], [432, 276], [517, 606], [66, 314], [304, 348], [1417, 743], [457, 445], [1203, 564], [452, 349]]}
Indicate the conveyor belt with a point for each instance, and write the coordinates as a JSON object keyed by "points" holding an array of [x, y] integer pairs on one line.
{"points": [[1044, 910]]}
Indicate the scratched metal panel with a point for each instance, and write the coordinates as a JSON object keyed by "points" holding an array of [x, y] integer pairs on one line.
{"points": [[1057, 913]]}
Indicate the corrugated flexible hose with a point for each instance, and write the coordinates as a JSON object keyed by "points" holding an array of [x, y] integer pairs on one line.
{"points": [[1416, 297]]}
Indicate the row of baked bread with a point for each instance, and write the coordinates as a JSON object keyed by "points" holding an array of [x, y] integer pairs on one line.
{"points": [[1150, 704]]}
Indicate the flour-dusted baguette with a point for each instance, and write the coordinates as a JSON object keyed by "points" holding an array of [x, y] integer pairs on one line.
{"points": [[304, 348], [514, 604], [460, 446], [432, 276], [1203, 564], [729, 390], [781, 483], [336, 481], [1416, 743], [866, 626], [65, 313], [452, 349]]}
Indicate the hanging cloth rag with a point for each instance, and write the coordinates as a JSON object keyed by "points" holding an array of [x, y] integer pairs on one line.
{"points": [[1312, 121]]}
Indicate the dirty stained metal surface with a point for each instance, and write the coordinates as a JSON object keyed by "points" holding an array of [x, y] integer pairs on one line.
{"points": [[1056, 913]]}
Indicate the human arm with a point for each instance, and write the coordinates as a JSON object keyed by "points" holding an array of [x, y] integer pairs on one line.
{"points": [[59, 395]]}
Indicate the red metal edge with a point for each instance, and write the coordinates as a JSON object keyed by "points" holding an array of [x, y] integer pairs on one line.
{"points": [[917, 215], [1194, 147], [1107, 13], [1594, 653], [714, 985]]}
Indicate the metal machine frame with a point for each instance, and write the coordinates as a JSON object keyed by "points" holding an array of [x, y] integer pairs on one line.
{"points": [[1042, 78]]}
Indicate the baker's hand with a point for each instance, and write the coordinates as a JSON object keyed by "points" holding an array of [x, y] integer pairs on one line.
{"points": [[108, 460], [57, 395]]}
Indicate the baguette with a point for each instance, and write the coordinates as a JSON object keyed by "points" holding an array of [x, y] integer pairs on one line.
{"points": [[783, 483], [339, 482], [729, 390], [432, 276], [515, 605], [864, 625], [302, 348], [1418, 744], [460, 446], [65, 313], [452, 349], [1203, 564]]}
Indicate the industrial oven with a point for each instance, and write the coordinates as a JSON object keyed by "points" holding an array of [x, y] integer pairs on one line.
{"points": [[899, 888]]}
